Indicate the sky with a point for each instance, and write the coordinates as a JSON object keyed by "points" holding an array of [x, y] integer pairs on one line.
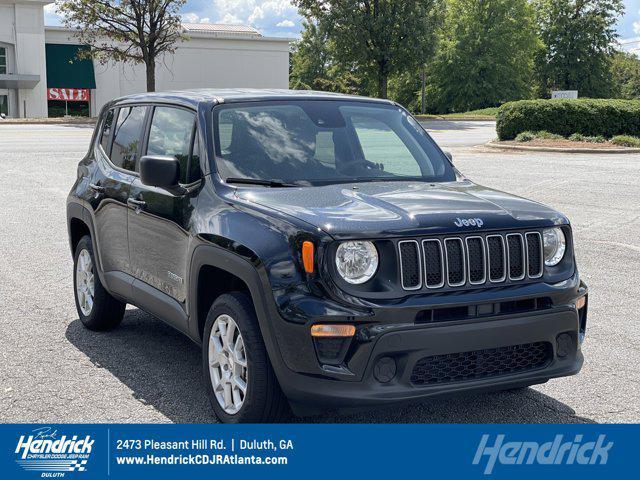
{"points": [[280, 18]]}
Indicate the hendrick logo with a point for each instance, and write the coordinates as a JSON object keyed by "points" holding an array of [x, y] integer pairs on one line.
{"points": [[556, 452], [469, 222], [51, 454]]}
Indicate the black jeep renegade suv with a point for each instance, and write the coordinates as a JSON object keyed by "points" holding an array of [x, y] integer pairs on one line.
{"points": [[323, 251]]}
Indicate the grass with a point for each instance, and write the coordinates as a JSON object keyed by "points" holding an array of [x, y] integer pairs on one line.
{"points": [[578, 137], [620, 140], [626, 141], [482, 114]]}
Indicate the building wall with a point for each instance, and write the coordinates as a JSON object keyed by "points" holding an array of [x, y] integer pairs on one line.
{"points": [[200, 62], [22, 28]]}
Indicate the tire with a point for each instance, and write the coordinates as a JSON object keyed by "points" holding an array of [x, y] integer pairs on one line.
{"points": [[262, 399], [104, 312]]}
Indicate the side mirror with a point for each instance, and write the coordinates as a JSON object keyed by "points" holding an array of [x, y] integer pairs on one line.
{"points": [[160, 171], [449, 156]]}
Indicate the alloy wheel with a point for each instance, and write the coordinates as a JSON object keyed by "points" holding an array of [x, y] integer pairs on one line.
{"points": [[228, 364], [85, 285]]}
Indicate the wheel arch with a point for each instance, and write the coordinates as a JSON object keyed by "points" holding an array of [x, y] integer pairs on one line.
{"points": [[79, 223], [236, 273]]}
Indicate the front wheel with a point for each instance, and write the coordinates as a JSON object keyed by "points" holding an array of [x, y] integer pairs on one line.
{"points": [[240, 382]]}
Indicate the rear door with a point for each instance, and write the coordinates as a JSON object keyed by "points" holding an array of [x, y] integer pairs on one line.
{"points": [[116, 153], [159, 219]]}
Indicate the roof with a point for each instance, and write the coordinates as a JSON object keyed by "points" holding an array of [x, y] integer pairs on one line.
{"points": [[230, 95], [208, 30], [224, 30]]}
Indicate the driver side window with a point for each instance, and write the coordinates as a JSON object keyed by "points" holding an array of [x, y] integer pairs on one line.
{"points": [[170, 135]]}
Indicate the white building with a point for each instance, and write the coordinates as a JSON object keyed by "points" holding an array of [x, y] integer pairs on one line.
{"points": [[40, 76]]}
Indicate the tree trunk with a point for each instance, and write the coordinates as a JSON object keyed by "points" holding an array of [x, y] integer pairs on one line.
{"points": [[382, 84], [423, 102], [151, 74]]}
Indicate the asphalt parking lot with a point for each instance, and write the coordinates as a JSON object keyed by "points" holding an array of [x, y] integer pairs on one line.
{"points": [[53, 370]]}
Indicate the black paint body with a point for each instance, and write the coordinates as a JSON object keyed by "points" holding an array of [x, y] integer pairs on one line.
{"points": [[253, 235]]}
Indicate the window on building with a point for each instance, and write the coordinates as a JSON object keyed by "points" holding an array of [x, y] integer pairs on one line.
{"points": [[3, 60], [4, 104], [171, 134], [127, 137]]}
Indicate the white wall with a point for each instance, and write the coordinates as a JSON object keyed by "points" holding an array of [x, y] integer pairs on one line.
{"points": [[22, 25], [200, 62]]}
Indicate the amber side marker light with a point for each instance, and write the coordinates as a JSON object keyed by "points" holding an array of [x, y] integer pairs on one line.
{"points": [[333, 331], [307, 256], [581, 302]]}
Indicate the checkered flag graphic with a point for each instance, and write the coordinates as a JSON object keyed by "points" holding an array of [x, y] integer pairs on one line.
{"points": [[78, 466]]}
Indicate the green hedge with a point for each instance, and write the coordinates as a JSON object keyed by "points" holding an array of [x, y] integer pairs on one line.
{"points": [[589, 117]]}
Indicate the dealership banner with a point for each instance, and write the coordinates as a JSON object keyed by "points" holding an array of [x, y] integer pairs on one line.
{"points": [[90, 451]]}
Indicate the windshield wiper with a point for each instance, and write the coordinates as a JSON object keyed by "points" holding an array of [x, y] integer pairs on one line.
{"points": [[255, 181]]}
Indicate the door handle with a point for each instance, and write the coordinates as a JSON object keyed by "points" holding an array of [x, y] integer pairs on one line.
{"points": [[136, 203], [96, 188]]}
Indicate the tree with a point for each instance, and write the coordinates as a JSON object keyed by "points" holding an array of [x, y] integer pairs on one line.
{"points": [[625, 72], [485, 56], [134, 31], [379, 38], [578, 37], [313, 64], [310, 57]]}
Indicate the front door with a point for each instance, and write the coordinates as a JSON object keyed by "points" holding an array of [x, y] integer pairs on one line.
{"points": [[158, 218]]}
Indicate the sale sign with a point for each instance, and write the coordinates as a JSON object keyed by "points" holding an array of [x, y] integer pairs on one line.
{"points": [[68, 94]]}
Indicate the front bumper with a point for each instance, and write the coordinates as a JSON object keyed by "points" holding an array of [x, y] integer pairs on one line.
{"points": [[390, 331], [408, 346]]}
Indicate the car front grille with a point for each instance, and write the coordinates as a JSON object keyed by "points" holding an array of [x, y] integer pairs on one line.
{"points": [[471, 260], [478, 364]]}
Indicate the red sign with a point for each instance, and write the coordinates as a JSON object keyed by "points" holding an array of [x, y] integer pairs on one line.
{"points": [[69, 94]]}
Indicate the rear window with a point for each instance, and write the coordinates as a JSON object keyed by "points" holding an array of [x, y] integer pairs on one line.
{"points": [[106, 131]]}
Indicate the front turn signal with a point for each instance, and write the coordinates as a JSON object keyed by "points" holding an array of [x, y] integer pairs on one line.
{"points": [[333, 331], [307, 256]]}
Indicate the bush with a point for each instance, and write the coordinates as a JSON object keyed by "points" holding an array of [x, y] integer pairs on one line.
{"points": [[549, 136], [588, 117], [626, 141], [525, 137], [577, 137]]}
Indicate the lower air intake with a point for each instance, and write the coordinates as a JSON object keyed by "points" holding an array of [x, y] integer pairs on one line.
{"points": [[478, 364]]}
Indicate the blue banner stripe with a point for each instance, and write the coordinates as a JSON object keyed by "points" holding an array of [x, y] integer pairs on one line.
{"points": [[316, 451]]}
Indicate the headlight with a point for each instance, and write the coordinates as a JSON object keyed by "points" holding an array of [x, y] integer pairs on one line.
{"points": [[555, 245], [356, 262]]}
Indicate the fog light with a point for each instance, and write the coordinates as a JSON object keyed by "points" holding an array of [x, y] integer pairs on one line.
{"points": [[565, 345], [385, 369], [333, 331]]}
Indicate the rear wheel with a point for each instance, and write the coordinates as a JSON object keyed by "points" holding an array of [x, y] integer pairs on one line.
{"points": [[97, 309], [239, 379]]}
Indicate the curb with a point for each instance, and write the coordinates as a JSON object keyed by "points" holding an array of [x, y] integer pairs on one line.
{"points": [[561, 150], [48, 121], [454, 119]]}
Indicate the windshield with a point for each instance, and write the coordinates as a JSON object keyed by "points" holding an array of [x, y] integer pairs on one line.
{"points": [[320, 142]]}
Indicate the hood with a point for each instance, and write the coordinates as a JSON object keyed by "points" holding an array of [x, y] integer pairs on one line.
{"points": [[368, 210]]}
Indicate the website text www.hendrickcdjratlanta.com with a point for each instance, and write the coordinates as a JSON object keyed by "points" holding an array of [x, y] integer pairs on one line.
{"points": [[200, 459]]}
